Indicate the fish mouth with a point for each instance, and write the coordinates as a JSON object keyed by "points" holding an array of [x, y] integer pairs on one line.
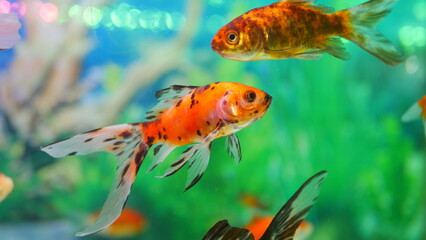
{"points": [[268, 100], [214, 46]]}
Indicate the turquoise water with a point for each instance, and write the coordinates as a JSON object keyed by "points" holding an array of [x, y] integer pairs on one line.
{"points": [[81, 66]]}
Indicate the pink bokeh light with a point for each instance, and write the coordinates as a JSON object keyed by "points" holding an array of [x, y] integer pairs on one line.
{"points": [[4, 6], [48, 12]]}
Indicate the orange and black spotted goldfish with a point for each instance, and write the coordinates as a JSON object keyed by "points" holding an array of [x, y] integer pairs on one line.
{"points": [[418, 110], [300, 29], [285, 223], [9, 26], [184, 115]]}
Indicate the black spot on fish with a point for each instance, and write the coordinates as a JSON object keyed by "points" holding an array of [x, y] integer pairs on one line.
{"points": [[186, 150], [157, 149], [193, 95], [226, 93], [164, 129], [150, 117], [212, 88], [125, 134], [224, 102], [88, 140], [125, 170], [177, 162], [196, 102], [94, 130], [165, 137], [178, 103], [255, 112], [207, 87], [196, 179], [198, 132], [72, 154], [160, 135], [208, 123], [150, 140], [118, 143], [192, 103], [109, 139], [179, 138], [115, 148], [135, 124], [236, 103]]}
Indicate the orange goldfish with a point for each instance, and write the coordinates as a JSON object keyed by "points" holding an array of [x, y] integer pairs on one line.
{"points": [[258, 226], [6, 186], [130, 223], [251, 201], [9, 26], [184, 115], [300, 29], [285, 223], [418, 110]]}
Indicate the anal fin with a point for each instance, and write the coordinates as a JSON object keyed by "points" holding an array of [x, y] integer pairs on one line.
{"points": [[335, 47]]}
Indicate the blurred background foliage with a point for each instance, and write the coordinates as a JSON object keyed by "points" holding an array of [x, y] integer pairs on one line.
{"points": [[87, 64]]}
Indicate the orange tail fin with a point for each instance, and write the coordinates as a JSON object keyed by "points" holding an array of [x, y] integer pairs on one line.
{"points": [[361, 21], [126, 142]]}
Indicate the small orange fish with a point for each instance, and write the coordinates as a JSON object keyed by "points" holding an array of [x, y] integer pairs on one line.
{"points": [[129, 224], [285, 223], [251, 201], [258, 226], [300, 29], [184, 115], [6, 186], [418, 110], [9, 26]]}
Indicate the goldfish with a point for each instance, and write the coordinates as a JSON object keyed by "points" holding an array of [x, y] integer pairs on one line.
{"points": [[184, 115], [303, 30], [130, 223], [285, 223], [251, 201], [9, 26], [259, 224], [6, 186], [418, 110]]}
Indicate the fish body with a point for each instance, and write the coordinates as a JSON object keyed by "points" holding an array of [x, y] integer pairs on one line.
{"points": [[283, 225], [184, 115], [6, 186], [9, 27], [418, 110], [300, 29]]}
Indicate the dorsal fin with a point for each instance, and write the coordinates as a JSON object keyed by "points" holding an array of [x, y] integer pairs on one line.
{"points": [[168, 97], [310, 4], [173, 92]]}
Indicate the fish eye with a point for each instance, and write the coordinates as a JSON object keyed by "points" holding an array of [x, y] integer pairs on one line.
{"points": [[232, 37], [249, 96]]}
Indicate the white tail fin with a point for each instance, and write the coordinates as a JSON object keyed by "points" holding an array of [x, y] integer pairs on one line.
{"points": [[362, 20], [9, 26], [126, 142]]}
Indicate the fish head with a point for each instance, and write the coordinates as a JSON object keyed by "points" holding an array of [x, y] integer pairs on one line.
{"points": [[238, 40], [241, 105]]}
